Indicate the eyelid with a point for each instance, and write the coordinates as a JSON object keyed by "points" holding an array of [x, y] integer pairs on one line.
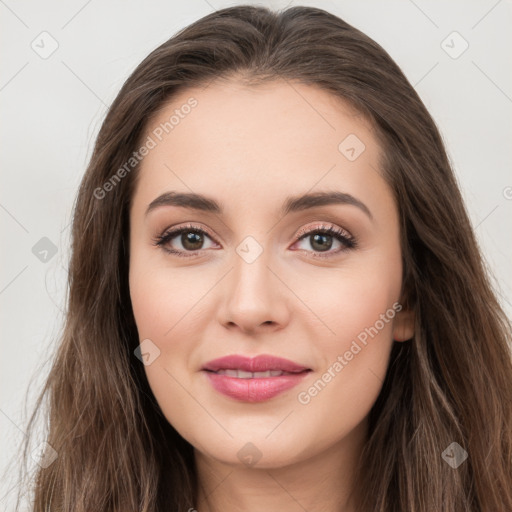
{"points": [[192, 227], [322, 227]]}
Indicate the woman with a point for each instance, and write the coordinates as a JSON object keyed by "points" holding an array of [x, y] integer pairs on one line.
{"points": [[276, 296]]}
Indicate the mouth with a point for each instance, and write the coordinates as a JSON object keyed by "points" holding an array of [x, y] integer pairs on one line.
{"points": [[253, 379]]}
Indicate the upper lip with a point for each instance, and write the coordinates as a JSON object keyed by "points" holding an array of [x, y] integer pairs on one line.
{"points": [[261, 363]]}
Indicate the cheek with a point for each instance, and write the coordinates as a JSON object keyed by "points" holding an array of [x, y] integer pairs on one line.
{"points": [[163, 309], [355, 300], [168, 306], [359, 308], [346, 387], [365, 311], [163, 299]]}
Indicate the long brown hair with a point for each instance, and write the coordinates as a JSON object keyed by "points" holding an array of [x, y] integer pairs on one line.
{"points": [[452, 383]]}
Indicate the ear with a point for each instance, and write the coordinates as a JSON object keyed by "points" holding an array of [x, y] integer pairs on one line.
{"points": [[403, 325]]}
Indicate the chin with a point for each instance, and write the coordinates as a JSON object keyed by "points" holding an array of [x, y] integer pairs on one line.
{"points": [[260, 453]]}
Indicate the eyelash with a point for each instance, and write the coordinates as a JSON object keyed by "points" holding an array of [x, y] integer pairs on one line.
{"points": [[341, 235]]}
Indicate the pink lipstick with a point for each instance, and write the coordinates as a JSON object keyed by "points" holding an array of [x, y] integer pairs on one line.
{"points": [[253, 379]]}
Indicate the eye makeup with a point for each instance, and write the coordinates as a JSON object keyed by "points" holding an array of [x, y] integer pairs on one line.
{"points": [[317, 233]]}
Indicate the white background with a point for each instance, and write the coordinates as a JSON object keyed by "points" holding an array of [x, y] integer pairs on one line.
{"points": [[52, 109]]}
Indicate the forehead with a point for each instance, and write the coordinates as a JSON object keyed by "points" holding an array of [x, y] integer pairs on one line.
{"points": [[254, 143]]}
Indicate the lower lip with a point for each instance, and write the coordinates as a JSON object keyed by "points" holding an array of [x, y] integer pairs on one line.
{"points": [[254, 390]]}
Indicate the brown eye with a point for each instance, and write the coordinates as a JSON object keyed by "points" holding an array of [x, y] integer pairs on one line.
{"points": [[321, 240], [180, 241], [191, 240]]}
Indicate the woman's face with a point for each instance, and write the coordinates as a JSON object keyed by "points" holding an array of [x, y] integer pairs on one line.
{"points": [[255, 273]]}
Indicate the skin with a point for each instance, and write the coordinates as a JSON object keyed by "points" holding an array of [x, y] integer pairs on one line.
{"points": [[249, 148]]}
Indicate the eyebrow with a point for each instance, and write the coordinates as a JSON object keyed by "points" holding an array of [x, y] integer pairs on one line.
{"points": [[203, 203]]}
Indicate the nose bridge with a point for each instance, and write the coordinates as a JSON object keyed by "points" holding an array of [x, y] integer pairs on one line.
{"points": [[253, 294], [250, 281]]}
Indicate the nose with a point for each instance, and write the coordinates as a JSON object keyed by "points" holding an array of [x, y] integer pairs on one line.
{"points": [[254, 297]]}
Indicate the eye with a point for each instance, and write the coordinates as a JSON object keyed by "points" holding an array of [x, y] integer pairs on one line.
{"points": [[191, 239], [321, 239]]}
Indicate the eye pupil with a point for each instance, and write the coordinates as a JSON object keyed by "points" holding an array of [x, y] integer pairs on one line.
{"points": [[318, 238]]}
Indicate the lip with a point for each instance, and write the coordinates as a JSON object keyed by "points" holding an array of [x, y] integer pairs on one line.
{"points": [[260, 363], [254, 389]]}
